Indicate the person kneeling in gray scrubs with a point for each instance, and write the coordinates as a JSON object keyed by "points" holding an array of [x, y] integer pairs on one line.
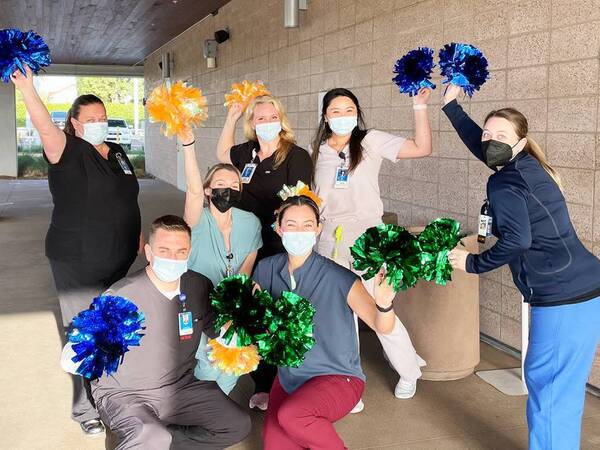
{"points": [[154, 401]]}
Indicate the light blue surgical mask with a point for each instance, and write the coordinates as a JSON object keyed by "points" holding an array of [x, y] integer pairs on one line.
{"points": [[299, 243], [268, 131], [169, 270], [95, 132], [343, 126]]}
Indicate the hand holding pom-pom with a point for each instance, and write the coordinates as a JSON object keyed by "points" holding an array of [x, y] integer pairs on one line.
{"points": [[244, 92], [179, 107], [21, 50], [414, 71]]}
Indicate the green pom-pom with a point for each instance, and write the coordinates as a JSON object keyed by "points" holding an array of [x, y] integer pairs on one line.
{"points": [[393, 246], [293, 336], [436, 241], [233, 300]]}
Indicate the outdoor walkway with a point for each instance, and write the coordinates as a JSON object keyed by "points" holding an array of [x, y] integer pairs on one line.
{"points": [[35, 393]]}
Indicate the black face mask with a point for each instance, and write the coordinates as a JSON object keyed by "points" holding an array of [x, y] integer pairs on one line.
{"points": [[225, 198], [496, 153]]}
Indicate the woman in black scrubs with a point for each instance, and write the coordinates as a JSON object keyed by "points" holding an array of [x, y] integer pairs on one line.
{"points": [[268, 160], [94, 235]]}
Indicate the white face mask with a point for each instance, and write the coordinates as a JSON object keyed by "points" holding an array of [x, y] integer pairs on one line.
{"points": [[95, 132], [343, 126], [299, 243], [168, 270], [268, 131]]}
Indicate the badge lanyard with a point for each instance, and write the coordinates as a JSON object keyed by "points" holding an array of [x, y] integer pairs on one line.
{"points": [[485, 223], [123, 164], [185, 320], [342, 172], [228, 267], [250, 168]]}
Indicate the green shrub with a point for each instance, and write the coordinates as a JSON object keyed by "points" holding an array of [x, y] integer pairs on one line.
{"points": [[29, 166]]}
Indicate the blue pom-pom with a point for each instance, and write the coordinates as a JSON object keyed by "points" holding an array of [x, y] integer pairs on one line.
{"points": [[102, 334], [414, 71], [463, 65], [19, 49]]}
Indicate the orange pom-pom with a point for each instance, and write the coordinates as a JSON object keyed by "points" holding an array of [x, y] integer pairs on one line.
{"points": [[244, 92], [233, 360], [179, 107]]}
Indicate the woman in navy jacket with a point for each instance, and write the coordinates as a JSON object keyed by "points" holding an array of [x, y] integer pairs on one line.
{"points": [[556, 274]]}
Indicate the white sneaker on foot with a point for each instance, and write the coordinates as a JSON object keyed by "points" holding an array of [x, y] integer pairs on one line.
{"points": [[259, 400], [358, 408], [405, 389]]}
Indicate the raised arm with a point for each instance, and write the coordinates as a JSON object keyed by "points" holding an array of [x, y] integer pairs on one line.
{"points": [[53, 138], [194, 195], [363, 304], [227, 138], [420, 145], [468, 131]]}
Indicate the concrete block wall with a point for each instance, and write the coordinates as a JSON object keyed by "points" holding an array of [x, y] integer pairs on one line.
{"points": [[543, 59]]}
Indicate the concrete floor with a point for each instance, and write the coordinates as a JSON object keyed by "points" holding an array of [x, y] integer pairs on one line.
{"points": [[35, 394]]}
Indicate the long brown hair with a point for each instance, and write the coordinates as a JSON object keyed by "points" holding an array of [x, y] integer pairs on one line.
{"points": [[324, 131], [521, 127], [82, 100], [286, 135], [221, 166]]}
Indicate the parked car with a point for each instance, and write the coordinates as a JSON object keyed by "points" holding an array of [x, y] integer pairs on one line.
{"points": [[59, 118], [119, 132]]}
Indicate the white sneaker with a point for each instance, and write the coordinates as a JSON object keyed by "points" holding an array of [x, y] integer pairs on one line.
{"points": [[358, 408], [259, 400], [405, 389]]}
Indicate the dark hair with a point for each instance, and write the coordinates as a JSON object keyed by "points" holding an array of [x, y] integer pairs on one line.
{"points": [[169, 223], [82, 100], [300, 200], [324, 132]]}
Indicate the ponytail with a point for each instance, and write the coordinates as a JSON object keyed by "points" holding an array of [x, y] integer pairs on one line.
{"points": [[536, 151]]}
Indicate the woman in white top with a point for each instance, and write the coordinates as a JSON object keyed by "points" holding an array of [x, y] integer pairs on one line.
{"points": [[347, 158]]}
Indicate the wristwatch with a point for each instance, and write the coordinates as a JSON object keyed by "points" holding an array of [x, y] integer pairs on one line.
{"points": [[384, 310]]}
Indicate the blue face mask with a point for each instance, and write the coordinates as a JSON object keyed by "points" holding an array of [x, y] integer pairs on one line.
{"points": [[268, 131], [299, 243], [343, 126], [169, 270], [95, 132]]}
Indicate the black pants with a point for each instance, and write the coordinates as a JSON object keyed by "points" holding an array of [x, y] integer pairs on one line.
{"points": [[77, 283]]}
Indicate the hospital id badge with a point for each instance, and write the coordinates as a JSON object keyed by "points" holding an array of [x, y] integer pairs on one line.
{"points": [[186, 325], [248, 172], [341, 178], [123, 164], [485, 228]]}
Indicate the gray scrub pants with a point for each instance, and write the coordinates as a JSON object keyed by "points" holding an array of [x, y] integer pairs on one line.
{"points": [[190, 414]]}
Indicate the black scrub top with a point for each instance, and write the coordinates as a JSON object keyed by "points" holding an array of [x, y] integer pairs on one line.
{"points": [[260, 195], [96, 217]]}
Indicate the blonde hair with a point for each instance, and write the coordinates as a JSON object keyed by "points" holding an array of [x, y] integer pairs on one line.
{"points": [[521, 127], [221, 166], [286, 135]]}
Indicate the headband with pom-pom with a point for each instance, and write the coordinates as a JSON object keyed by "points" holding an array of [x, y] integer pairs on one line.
{"points": [[245, 92], [19, 49], [178, 107], [414, 71], [463, 65], [300, 190], [102, 335]]}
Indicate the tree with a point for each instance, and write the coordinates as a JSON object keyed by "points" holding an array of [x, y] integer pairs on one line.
{"points": [[109, 89]]}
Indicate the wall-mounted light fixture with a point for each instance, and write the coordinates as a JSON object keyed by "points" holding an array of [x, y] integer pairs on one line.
{"points": [[210, 47], [291, 10]]}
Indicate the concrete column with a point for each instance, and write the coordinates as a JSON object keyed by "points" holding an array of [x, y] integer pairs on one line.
{"points": [[8, 131]]}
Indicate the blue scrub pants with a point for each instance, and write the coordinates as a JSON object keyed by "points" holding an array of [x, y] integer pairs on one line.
{"points": [[562, 346]]}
